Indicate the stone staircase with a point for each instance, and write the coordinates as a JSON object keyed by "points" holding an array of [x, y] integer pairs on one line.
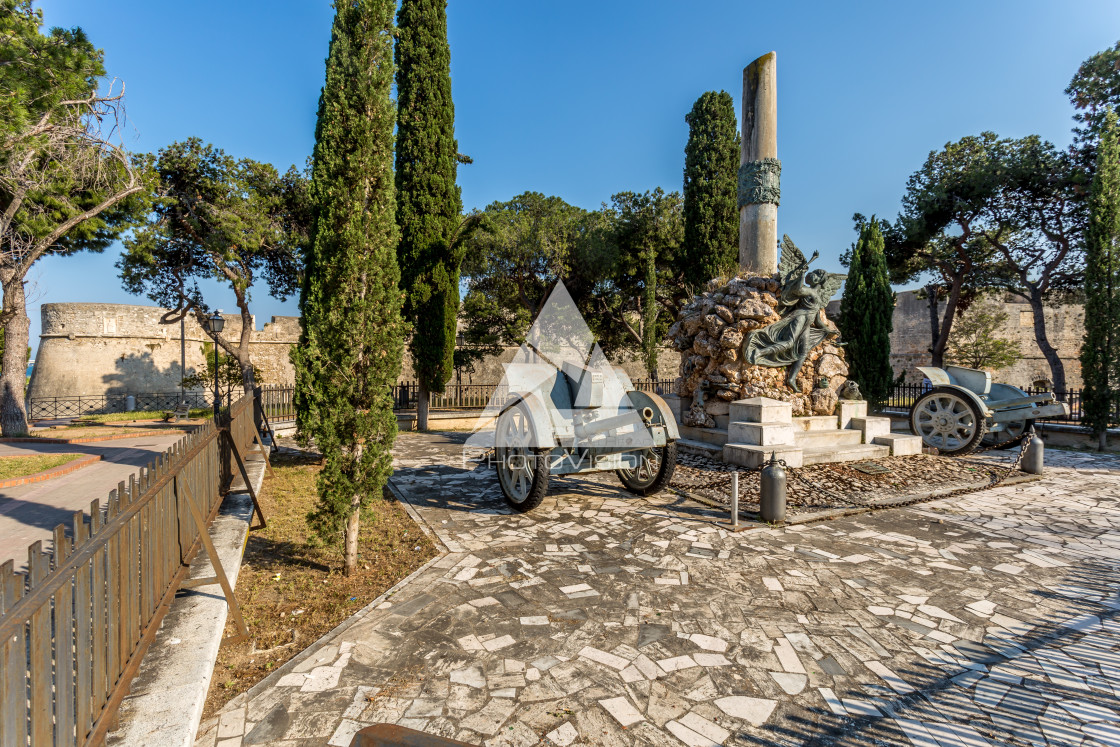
{"points": [[759, 427]]}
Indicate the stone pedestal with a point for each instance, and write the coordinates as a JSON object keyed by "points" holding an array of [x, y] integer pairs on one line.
{"points": [[760, 434], [753, 457], [871, 428], [850, 408], [761, 410]]}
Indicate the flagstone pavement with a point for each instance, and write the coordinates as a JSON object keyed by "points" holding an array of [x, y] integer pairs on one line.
{"points": [[605, 619]]}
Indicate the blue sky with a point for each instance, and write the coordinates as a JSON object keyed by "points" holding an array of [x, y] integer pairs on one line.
{"points": [[584, 99]]}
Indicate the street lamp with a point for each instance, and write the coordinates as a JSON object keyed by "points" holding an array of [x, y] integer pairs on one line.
{"points": [[215, 323]]}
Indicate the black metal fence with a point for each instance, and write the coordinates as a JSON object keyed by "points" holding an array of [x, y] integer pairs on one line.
{"points": [[660, 387], [904, 395], [278, 402], [279, 405], [48, 408], [455, 397]]}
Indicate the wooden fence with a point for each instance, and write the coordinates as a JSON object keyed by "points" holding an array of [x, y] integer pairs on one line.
{"points": [[75, 626]]}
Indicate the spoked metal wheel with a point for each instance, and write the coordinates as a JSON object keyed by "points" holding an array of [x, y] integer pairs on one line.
{"points": [[654, 471], [1010, 434], [948, 421], [522, 468]]}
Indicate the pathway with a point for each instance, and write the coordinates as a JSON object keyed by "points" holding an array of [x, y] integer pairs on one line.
{"points": [[31, 512], [603, 619]]}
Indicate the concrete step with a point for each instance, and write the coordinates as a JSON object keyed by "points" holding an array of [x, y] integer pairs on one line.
{"points": [[821, 439], [700, 448], [715, 436], [816, 422], [760, 434], [834, 454], [752, 457], [901, 444]]}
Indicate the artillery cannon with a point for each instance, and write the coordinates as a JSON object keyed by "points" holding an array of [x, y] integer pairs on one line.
{"points": [[577, 418], [965, 409]]}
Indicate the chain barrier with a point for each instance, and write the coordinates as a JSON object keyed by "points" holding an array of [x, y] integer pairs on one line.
{"points": [[1024, 443], [723, 482]]}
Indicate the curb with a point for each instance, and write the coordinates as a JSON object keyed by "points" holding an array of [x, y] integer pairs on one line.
{"points": [[168, 694], [91, 439], [49, 474]]}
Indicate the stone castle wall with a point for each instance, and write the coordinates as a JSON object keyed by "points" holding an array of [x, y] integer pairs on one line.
{"points": [[104, 348], [1065, 326]]}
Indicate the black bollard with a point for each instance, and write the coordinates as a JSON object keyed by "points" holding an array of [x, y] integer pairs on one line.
{"points": [[772, 501]]}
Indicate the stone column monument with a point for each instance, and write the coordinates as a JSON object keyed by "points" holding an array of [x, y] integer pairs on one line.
{"points": [[759, 168]]}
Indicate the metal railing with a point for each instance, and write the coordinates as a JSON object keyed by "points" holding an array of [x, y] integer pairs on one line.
{"points": [[279, 405], [79, 405], [902, 396], [278, 402], [75, 626], [661, 387]]}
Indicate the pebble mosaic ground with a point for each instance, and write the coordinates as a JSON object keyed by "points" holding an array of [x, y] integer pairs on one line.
{"points": [[604, 619], [835, 486]]}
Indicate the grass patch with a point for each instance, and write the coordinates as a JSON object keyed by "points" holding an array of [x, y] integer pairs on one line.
{"points": [[116, 417], [22, 466], [291, 591], [91, 430]]}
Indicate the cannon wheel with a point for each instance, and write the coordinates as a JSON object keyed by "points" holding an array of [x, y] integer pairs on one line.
{"points": [[522, 469], [948, 421], [1010, 435], [654, 471]]}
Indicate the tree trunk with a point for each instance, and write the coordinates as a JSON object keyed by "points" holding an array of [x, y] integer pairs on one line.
{"points": [[938, 352], [247, 379], [423, 400], [1102, 440], [1057, 368], [13, 365], [934, 320], [243, 347], [352, 525]]}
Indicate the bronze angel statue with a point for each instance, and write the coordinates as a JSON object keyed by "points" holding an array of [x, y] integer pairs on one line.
{"points": [[803, 326]]}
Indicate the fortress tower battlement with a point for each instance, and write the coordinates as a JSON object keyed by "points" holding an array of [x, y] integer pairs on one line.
{"points": [[108, 348]]}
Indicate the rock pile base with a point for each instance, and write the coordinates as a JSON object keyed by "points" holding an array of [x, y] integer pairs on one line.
{"points": [[709, 333]]}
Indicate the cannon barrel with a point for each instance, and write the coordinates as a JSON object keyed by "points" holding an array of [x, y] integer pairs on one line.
{"points": [[627, 418]]}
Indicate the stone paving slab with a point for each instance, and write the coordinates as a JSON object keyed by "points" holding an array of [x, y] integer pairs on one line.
{"points": [[606, 619]]}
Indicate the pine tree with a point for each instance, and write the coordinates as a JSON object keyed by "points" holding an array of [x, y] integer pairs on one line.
{"points": [[1100, 351], [711, 188], [866, 312], [428, 200], [350, 354]]}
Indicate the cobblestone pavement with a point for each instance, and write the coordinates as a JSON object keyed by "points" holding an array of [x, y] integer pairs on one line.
{"points": [[604, 619]]}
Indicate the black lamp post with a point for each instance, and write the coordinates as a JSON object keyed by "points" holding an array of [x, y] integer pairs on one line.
{"points": [[215, 323]]}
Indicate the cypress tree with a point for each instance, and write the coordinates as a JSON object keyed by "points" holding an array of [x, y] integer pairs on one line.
{"points": [[350, 354], [1100, 350], [428, 200], [866, 315], [711, 189]]}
